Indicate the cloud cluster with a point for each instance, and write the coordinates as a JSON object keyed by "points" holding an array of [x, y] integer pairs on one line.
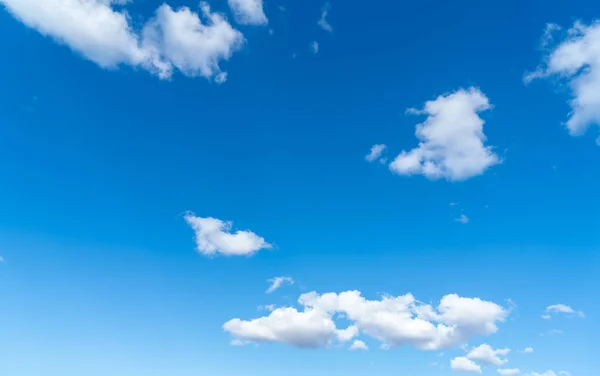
{"points": [[394, 321], [452, 142], [214, 236], [482, 355], [575, 59], [193, 43]]}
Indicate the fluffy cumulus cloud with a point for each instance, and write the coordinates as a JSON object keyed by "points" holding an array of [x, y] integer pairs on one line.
{"points": [[277, 282], [452, 142], [576, 60], [509, 371], [375, 152], [486, 355], [214, 236], [172, 39], [462, 364], [394, 321], [310, 328], [561, 309], [248, 12], [183, 41]]}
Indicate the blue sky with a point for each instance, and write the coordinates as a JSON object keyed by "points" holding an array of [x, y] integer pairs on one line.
{"points": [[162, 165]]}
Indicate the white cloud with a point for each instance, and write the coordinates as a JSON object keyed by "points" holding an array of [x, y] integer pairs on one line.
{"points": [[546, 317], [90, 27], [394, 321], [376, 152], [277, 282], [451, 139], [315, 47], [486, 355], [576, 59], [323, 23], [462, 219], [183, 41], [509, 371], [248, 12], [562, 308], [547, 373], [564, 373], [268, 307], [358, 345], [462, 364], [548, 36], [528, 350], [345, 335], [105, 36], [213, 236], [310, 328]]}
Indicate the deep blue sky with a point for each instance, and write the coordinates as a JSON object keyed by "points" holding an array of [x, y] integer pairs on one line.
{"points": [[100, 273]]}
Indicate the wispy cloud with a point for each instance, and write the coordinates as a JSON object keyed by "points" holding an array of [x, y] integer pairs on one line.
{"points": [[277, 282], [462, 219], [376, 152], [323, 23]]}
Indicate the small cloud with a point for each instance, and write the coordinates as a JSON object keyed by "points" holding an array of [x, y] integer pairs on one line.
{"points": [[376, 152], [214, 236], [508, 371], [268, 307], [323, 20], [248, 12], [528, 350], [315, 47], [565, 373], [486, 355], [549, 31], [237, 342], [546, 317], [451, 140], [462, 219], [563, 309], [553, 332], [358, 345], [277, 282], [462, 364], [453, 204], [221, 77]]}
